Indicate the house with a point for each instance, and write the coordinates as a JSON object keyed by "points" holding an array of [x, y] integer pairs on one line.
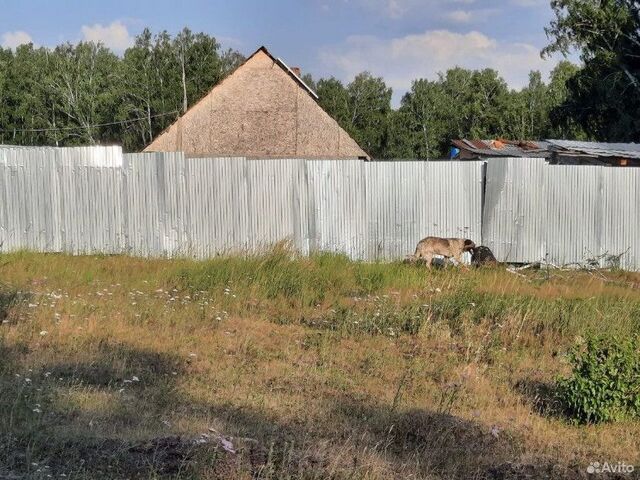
{"points": [[264, 110], [464, 149]]}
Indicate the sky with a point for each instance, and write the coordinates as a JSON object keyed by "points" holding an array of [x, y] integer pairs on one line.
{"points": [[399, 40]]}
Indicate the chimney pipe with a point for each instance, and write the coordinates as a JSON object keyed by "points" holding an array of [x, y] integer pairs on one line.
{"points": [[296, 70]]}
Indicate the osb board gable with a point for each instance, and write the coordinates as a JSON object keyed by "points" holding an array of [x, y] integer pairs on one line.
{"points": [[320, 135], [259, 110]]}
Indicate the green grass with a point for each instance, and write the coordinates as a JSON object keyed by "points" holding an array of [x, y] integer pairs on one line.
{"points": [[308, 281], [314, 367], [299, 283]]}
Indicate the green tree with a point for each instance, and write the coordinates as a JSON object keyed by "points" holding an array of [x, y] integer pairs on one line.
{"points": [[362, 108], [31, 106], [369, 109], [140, 90], [83, 83], [334, 99], [563, 123], [6, 60], [420, 126], [605, 95], [85, 94], [526, 114], [200, 64], [461, 103]]}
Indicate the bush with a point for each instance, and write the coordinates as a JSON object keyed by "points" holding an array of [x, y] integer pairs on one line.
{"points": [[604, 384]]}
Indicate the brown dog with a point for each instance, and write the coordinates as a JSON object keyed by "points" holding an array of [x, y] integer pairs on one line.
{"points": [[447, 247]]}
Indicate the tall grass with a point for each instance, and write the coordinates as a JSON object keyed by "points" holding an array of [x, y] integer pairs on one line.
{"points": [[306, 280], [329, 291]]}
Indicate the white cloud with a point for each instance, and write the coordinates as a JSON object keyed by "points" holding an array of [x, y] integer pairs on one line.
{"points": [[460, 16], [398, 9], [401, 60], [530, 3], [390, 8], [14, 39], [470, 16], [115, 35]]}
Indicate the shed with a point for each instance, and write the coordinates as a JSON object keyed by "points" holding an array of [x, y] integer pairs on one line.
{"points": [[262, 110], [595, 153]]}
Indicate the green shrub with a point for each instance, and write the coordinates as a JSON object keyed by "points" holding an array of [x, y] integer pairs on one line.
{"points": [[604, 384]]}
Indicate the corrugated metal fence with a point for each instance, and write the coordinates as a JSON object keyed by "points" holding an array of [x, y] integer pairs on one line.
{"points": [[96, 200], [562, 214]]}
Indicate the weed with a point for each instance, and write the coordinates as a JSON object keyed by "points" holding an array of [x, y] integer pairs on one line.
{"points": [[605, 381]]}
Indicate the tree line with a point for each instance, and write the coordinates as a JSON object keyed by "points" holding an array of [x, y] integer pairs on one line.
{"points": [[86, 94], [461, 103]]}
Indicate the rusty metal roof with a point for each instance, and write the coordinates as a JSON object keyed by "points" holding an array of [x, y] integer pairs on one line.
{"points": [[504, 148], [597, 149]]}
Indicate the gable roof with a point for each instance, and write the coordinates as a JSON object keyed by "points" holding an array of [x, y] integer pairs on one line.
{"points": [[302, 83]]}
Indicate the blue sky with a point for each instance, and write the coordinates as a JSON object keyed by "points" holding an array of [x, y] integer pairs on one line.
{"points": [[398, 39]]}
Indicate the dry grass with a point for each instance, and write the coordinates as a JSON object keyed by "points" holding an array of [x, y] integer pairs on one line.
{"points": [[114, 367]]}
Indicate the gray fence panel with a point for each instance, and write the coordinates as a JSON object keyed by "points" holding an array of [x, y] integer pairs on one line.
{"points": [[276, 195], [216, 202], [338, 208], [44, 210], [575, 206], [397, 201], [85, 184], [621, 217], [410, 200], [562, 214], [4, 201], [143, 216], [514, 219], [455, 198]]}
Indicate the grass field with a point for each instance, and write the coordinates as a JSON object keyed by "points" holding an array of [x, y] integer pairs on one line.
{"points": [[279, 367]]}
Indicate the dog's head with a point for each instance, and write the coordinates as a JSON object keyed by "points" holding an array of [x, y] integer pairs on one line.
{"points": [[410, 259], [468, 245]]}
